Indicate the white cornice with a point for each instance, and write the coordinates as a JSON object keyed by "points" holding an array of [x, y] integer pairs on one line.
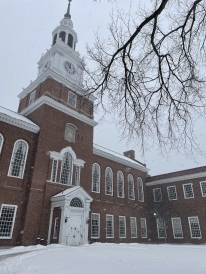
{"points": [[177, 179], [119, 160], [19, 123], [52, 103], [59, 78]]}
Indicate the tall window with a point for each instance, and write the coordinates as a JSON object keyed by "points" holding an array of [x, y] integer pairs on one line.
{"points": [[70, 41], [95, 229], [66, 172], [56, 228], [96, 178], [157, 194], [143, 225], [18, 159], [77, 176], [130, 187], [32, 97], [1, 142], [72, 100], [195, 231], [177, 228], [140, 189], [109, 226], [7, 219], [62, 35], [161, 228], [202, 184], [122, 227], [120, 184], [133, 226], [172, 193], [109, 181], [188, 191], [54, 170]]}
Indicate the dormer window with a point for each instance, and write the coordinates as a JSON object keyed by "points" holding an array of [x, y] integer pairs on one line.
{"points": [[72, 99], [55, 39], [62, 36], [32, 97], [70, 41]]}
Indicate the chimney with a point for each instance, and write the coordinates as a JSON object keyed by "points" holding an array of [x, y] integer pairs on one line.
{"points": [[130, 154]]}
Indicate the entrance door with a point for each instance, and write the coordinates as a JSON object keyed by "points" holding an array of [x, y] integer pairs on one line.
{"points": [[74, 236]]}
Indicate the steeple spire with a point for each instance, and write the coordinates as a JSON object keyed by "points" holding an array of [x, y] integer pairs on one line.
{"points": [[68, 15]]}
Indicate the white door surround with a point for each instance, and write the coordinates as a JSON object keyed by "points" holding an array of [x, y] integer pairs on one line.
{"points": [[75, 206]]}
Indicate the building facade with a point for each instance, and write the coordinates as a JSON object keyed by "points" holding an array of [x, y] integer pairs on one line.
{"points": [[57, 186]]}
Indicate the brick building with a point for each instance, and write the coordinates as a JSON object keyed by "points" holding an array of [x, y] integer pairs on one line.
{"points": [[57, 186]]}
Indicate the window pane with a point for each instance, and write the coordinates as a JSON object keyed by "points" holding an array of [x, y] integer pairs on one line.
{"points": [[109, 181], [133, 226], [54, 170], [56, 228], [130, 187], [122, 227], [72, 99], [96, 178], [177, 228], [161, 228], [140, 190], [66, 172], [172, 194], [1, 142], [188, 191], [143, 227], [7, 220], [194, 227], [120, 184], [109, 226], [95, 225], [157, 194], [203, 188]]}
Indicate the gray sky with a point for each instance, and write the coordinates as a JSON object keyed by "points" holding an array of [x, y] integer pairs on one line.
{"points": [[25, 31]]}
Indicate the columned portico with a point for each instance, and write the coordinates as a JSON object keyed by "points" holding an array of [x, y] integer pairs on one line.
{"points": [[75, 206]]}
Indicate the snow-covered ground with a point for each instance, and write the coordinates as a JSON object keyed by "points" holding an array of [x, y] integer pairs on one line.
{"points": [[104, 258]]}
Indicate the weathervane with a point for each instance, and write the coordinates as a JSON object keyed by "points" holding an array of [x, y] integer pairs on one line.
{"points": [[67, 15]]}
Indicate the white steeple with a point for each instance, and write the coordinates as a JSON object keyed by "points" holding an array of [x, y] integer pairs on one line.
{"points": [[62, 57]]}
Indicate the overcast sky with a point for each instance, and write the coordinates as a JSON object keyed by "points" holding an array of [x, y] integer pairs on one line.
{"points": [[25, 31]]}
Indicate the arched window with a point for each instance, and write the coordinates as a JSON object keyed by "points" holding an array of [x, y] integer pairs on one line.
{"points": [[62, 35], [66, 171], [96, 178], [130, 187], [76, 202], [70, 41], [120, 184], [140, 189], [18, 159], [109, 181], [55, 39], [1, 142]]}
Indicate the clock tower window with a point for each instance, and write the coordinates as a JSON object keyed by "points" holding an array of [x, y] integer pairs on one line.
{"points": [[55, 39], [62, 35], [70, 41]]}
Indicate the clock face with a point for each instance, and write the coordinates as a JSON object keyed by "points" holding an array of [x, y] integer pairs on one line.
{"points": [[69, 67], [47, 66]]}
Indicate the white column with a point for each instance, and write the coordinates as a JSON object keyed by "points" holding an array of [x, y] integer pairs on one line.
{"points": [[50, 224], [87, 210], [62, 224]]}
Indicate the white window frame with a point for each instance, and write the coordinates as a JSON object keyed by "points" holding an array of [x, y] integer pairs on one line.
{"points": [[169, 195], [56, 228], [92, 237], [173, 227], [202, 182], [185, 192], [106, 181], [93, 177], [158, 220], [108, 237], [118, 184], [135, 228], [53, 171], [189, 218], [140, 189], [124, 219], [1, 144], [32, 97], [14, 218], [75, 101], [25, 161], [143, 221], [130, 175], [154, 196]]}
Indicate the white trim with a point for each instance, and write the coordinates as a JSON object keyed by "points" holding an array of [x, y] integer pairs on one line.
{"points": [[134, 218], [107, 168], [177, 179], [184, 191], [200, 187], [13, 223], [98, 226], [99, 177], [25, 160], [168, 193], [19, 123], [117, 159], [191, 229], [112, 226], [54, 104], [49, 73], [124, 227], [1, 144], [173, 227], [145, 224], [123, 196]]}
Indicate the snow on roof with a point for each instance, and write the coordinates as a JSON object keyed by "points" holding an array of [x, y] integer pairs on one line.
{"points": [[66, 191], [18, 120], [107, 153]]}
